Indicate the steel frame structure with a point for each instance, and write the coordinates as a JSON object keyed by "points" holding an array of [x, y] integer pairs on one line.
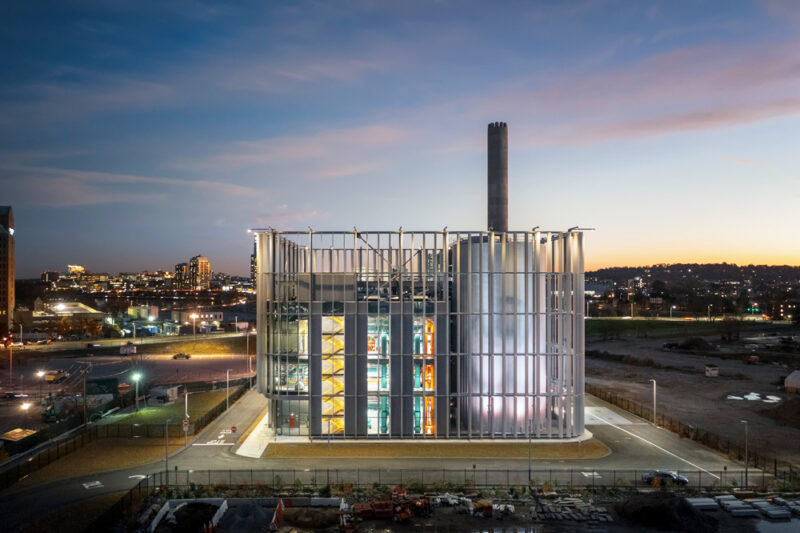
{"points": [[444, 334]]}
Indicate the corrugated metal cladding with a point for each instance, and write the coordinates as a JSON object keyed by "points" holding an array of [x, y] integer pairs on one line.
{"points": [[422, 334]]}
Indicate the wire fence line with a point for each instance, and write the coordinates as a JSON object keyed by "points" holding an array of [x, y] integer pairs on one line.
{"points": [[306, 482], [755, 458], [24, 464], [479, 479]]}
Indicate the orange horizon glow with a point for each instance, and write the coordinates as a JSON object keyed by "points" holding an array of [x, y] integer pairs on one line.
{"points": [[636, 261]]}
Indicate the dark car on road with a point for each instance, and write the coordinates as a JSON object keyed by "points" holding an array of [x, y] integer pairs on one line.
{"points": [[181, 356], [665, 477]]}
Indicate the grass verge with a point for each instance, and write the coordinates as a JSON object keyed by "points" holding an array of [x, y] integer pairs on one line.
{"points": [[199, 404], [100, 455], [591, 449]]}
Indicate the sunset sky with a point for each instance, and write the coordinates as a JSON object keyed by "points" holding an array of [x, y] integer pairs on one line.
{"points": [[134, 134]]}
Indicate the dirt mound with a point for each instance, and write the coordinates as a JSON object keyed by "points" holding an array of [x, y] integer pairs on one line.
{"points": [[787, 412], [311, 517], [697, 344], [667, 512], [189, 518]]}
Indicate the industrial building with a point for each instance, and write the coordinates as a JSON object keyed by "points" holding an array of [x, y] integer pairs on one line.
{"points": [[424, 334], [7, 268]]}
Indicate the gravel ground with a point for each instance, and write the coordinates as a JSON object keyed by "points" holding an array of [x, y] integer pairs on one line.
{"points": [[684, 393], [447, 520], [590, 449]]}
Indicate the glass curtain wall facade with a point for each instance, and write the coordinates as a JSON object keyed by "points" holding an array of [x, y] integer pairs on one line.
{"points": [[422, 334]]}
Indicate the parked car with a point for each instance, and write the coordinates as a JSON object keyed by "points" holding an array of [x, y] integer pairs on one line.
{"points": [[181, 355], [664, 476], [55, 376]]}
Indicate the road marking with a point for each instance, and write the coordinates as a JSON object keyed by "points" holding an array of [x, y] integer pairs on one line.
{"points": [[213, 443], [594, 415], [137, 476], [92, 485], [657, 446]]}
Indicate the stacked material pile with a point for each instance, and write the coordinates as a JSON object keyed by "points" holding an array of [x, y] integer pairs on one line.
{"points": [[570, 508]]}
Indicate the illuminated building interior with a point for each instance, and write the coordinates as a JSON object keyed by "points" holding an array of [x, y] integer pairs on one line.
{"points": [[421, 334]]}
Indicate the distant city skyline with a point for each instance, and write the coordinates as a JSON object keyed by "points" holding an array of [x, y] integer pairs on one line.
{"points": [[136, 135]]}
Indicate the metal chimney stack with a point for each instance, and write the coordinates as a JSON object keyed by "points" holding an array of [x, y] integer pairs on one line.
{"points": [[498, 176]]}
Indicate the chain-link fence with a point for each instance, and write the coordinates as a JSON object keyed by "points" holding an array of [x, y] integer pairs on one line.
{"points": [[479, 479], [285, 482], [26, 463]]}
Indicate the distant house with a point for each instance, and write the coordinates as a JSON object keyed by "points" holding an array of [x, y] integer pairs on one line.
{"points": [[792, 382]]}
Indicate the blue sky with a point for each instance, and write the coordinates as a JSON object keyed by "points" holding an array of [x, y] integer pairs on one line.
{"points": [[134, 135]]}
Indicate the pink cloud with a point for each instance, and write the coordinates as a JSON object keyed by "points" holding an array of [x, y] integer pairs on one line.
{"points": [[325, 153], [748, 162], [58, 187], [722, 115], [283, 216]]}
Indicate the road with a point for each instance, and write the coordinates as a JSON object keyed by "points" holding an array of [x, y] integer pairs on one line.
{"points": [[156, 369], [210, 447], [635, 445], [105, 343]]}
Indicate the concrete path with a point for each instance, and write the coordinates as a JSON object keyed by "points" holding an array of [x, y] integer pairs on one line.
{"points": [[257, 441]]}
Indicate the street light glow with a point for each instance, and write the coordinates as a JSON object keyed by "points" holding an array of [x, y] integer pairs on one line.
{"points": [[40, 374], [25, 406], [136, 376]]}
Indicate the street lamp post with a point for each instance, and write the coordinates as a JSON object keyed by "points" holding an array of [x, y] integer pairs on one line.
{"points": [[136, 378], [655, 423], [672, 307], [709, 311], [166, 449], [227, 387], [40, 375], [86, 369], [746, 458], [194, 326], [25, 406]]}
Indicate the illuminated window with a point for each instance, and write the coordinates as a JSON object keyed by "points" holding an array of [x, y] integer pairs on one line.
{"points": [[332, 374]]}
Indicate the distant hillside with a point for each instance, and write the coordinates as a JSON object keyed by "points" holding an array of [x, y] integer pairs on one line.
{"points": [[712, 272]]}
